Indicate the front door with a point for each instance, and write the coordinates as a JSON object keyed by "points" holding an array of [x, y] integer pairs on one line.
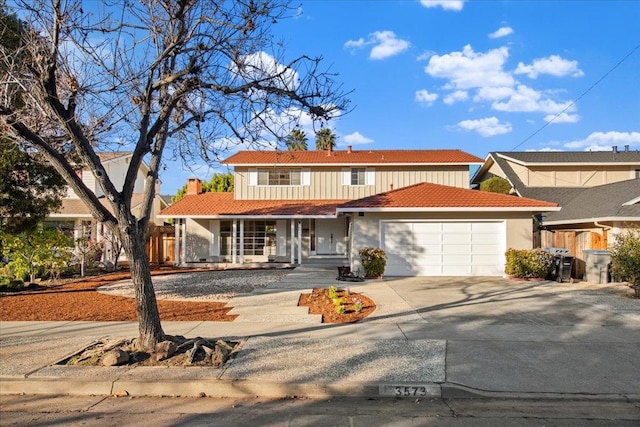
{"points": [[331, 236]]}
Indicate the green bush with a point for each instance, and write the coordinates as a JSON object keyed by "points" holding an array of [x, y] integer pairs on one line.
{"points": [[374, 261], [496, 185], [527, 264], [625, 259]]}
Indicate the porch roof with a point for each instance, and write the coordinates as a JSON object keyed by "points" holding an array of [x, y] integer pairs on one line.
{"points": [[221, 205]]}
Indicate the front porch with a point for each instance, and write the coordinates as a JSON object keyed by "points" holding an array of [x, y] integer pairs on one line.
{"points": [[261, 242]]}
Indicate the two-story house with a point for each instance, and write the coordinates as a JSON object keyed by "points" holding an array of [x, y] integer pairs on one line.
{"points": [[74, 216], [599, 193], [306, 207]]}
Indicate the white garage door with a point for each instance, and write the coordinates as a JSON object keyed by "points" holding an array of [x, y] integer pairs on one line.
{"points": [[443, 248]]}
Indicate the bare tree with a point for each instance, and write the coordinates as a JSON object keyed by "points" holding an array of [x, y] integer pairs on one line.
{"points": [[185, 77]]}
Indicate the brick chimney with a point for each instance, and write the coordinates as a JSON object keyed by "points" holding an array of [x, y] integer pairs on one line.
{"points": [[194, 186], [349, 149], [329, 150]]}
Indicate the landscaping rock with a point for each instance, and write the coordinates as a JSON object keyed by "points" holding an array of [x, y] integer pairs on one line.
{"points": [[115, 357], [164, 350]]}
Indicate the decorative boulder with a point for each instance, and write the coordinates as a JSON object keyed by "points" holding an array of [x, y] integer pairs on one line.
{"points": [[115, 357]]}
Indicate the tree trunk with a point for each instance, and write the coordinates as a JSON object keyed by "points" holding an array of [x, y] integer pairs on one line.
{"points": [[146, 305]]}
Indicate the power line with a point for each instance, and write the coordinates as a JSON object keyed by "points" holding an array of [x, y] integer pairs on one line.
{"points": [[578, 98]]}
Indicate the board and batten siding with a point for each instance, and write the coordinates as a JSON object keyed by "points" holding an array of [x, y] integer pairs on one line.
{"points": [[328, 182], [573, 176]]}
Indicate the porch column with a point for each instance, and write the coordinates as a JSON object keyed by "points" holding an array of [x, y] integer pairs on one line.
{"points": [[299, 241], [176, 246], [184, 241], [234, 244], [242, 241], [293, 241]]}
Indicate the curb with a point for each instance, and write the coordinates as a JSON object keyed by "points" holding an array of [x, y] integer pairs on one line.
{"points": [[236, 388], [212, 387], [460, 391]]}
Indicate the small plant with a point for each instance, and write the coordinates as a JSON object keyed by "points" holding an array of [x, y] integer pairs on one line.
{"points": [[340, 309], [625, 259], [337, 301], [333, 292], [526, 264], [357, 305], [374, 261]]}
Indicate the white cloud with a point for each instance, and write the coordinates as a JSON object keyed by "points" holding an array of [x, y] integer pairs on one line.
{"points": [[457, 96], [482, 77], [355, 44], [489, 126], [385, 44], [501, 32], [601, 141], [424, 55], [357, 138], [553, 65], [424, 97], [468, 69], [455, 5], [524, 99], [261, 65], [562, 118], [388, 45]]}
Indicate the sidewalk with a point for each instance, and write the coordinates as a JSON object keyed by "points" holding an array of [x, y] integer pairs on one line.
{"points": [[417, 342]]}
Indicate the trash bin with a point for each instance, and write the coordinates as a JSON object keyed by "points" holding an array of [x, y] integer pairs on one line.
{"points": [[561, 268], [597, 265]]}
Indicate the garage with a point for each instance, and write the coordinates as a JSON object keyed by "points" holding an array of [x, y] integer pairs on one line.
{"points": [[445, 248]]}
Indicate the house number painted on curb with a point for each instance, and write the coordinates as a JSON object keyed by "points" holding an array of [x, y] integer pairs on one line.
{"points": [[409, 390]]}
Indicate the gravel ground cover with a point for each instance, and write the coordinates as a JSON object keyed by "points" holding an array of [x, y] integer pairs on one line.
{"points": [[219, 285]]}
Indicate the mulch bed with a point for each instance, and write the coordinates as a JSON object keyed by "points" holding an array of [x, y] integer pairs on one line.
{"points": [[319, 302], [79, 300]]}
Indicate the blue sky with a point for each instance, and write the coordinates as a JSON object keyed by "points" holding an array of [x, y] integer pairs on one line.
{"points": [[477, 75]]}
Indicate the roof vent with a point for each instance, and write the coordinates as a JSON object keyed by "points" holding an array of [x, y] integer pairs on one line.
{"points": [[615, 148], [626, 148]]}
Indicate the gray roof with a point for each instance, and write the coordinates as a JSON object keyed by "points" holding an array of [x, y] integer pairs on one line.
{"points": [[559, 195], [552, 157], [597, 203]]}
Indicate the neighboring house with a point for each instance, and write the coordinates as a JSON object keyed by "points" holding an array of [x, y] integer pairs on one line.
{"points": [[599, 193], [74, 216], [321, 207]]}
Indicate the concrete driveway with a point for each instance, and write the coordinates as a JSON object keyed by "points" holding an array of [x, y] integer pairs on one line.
{"points": [[496, 301]]}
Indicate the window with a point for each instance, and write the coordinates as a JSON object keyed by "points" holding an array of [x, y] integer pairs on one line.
{"points": [[637, 173], [358, 176], [279, 176], [259, 238]]}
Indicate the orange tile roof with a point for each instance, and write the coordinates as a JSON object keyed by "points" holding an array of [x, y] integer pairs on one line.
{"points": [[365, 157], [427, 195], [416, 197], [223, 204]]}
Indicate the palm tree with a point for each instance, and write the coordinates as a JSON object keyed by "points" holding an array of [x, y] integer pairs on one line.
{"points": [[325, 139], [297, 141]]}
